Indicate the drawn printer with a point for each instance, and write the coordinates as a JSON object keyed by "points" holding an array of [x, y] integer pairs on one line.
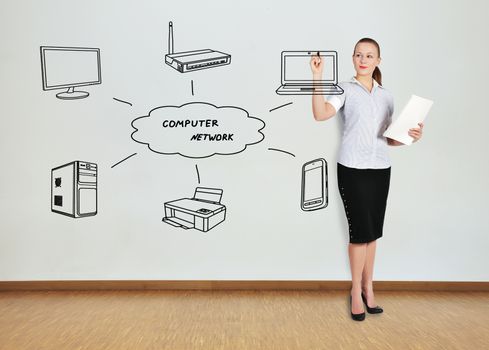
{"points": [[202, 212], [189, 61]]}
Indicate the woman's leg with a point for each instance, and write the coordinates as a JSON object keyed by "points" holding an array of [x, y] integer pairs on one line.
{"points": [[357, 253], [368, 272]]}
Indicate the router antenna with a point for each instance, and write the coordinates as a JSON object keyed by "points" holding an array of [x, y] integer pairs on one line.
{"points": [[170, 38]]}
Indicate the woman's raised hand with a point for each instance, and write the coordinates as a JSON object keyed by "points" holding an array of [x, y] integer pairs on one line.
{"points": [[317, 65]]}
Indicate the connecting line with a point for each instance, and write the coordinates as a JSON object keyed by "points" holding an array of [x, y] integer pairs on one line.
{"points": [[129, 103], [198, 175], [132, 155], [192, 85], [281, 106], [279, 150]]}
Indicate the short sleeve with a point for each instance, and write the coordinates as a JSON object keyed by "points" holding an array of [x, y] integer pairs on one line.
{"points": [[337, 101]]}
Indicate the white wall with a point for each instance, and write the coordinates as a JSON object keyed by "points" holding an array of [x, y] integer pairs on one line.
{"points": [[436, 225]]}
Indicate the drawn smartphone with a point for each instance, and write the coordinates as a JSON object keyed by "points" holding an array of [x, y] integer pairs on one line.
{"points": [[314, 193]]}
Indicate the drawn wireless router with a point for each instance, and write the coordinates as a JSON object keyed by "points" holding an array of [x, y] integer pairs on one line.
{"points": [[189, 61]]}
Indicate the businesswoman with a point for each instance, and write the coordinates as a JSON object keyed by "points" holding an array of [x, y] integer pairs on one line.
{"points": [[363, 163]]}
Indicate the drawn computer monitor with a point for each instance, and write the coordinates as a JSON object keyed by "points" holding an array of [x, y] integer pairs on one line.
{"points": [[70, 67]]}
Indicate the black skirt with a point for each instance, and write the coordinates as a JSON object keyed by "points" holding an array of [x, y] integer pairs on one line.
{"points": [[364, 193]]}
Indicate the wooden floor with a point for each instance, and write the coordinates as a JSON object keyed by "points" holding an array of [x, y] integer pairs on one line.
{"points": [[240, 320]]}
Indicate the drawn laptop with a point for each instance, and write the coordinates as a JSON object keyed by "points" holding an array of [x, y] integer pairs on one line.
{"points": [[297, 75]]}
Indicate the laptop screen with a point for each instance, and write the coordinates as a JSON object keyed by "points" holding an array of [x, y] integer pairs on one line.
{"points": [[296, 67]]}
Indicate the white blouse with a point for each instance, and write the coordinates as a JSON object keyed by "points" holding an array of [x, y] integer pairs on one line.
{"points": [[365, 117]]}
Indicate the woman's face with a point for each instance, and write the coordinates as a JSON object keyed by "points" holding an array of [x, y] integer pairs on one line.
{"points": [[365, 59]]}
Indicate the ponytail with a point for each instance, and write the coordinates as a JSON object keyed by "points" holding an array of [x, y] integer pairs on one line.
{"points": [[377, 75]]}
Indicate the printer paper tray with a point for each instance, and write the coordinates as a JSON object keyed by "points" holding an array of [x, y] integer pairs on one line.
{"points": [[178, 222]]}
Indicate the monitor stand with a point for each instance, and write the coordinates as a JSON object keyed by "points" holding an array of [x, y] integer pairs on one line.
{"points": [[71, 94]]}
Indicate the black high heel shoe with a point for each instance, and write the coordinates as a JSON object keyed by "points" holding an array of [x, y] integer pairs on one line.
{"points": [[372, 310], [357, 317]]}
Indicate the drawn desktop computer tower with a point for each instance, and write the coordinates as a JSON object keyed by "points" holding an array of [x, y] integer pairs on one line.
{"points": [[74, 189]]}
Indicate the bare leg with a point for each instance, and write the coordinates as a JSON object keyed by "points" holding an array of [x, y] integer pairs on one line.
{"points": [[357, 254], [368, 272]]}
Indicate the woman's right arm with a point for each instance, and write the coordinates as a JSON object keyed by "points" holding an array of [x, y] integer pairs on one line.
{"points": [[321, 109]]}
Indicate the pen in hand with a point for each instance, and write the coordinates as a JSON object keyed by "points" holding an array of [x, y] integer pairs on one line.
{"points": [[316, 65]]}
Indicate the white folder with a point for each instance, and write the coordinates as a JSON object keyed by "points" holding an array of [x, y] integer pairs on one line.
{"points": [[413, 113]]}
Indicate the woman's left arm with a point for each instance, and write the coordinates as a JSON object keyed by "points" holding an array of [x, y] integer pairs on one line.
{"points": [[415, 133]]}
